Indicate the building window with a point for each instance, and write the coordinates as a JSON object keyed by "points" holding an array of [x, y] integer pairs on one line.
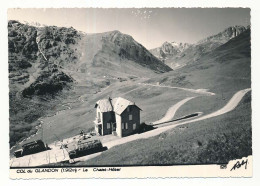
{"points": [[108, 125], [123, 126], [130, 117], [128, 109], [134, 126], [126, 125], [113, 126]]}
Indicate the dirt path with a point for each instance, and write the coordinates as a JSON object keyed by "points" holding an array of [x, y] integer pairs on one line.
{"points": [[171, 111], [198, 91], [37, 41]]}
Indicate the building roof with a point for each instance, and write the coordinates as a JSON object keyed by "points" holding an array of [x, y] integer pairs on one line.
{"points": [[118, 105], [104, 105]]}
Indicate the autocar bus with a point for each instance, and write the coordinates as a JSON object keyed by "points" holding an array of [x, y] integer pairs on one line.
{"points": [[30, 148], [84, 147]]}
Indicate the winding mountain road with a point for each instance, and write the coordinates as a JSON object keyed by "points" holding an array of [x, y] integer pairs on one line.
{"points": [[198, 91], [231, 105], [47, 157], [171, 111]]}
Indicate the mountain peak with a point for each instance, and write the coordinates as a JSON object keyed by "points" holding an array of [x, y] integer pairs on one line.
{"points": [[116, 31], [235, 30], [33, 23], [179, 54], [225, 35], [173, 48]]}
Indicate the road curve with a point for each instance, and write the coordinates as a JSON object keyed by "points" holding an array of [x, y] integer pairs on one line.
{"points": [[198, 91], [171, 111], [232, 104]]}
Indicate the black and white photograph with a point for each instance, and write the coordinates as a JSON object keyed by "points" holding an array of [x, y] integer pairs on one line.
{"points": [[129, 87]]}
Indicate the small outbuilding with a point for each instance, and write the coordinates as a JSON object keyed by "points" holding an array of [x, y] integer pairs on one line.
{"points": [[117, 116]]}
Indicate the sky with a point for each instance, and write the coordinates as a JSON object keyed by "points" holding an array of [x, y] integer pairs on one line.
{"points": [[149, 26]]}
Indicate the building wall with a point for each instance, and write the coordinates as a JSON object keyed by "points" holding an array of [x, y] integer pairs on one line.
{"points": [[111, 117], [135, 111], [107, 117], [101, 119], [118, 125], [98, 111], [96, 129]]}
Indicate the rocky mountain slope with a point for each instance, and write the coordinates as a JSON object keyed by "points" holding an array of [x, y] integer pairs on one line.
{"points": [[178, 55], [34, 71], [223, 69], [127, 48], [46, 61], [168, 50]]}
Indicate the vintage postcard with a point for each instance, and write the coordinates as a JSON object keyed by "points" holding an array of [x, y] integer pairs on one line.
{"points": [[129, 92]]}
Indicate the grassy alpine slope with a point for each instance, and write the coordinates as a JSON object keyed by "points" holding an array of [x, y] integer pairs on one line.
{"points": [[82, 68], [56, 68], [215, 140], [224, 71]]}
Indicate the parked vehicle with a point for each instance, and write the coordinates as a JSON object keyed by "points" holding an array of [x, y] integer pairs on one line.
{"points": [[30, 148], [84, 147], [18, 153]]}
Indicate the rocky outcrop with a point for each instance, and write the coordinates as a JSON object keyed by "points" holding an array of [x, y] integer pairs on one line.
{"points": [[225, 35], [33, 76], [168, 50], [49, 82], [48, 48], [126, 47], [57, 44]]}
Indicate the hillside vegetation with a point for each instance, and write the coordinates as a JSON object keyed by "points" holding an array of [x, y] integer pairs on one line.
{"points": [[30, 74], [223, 71], [216, 140], [57, 75], [50, 66]]}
